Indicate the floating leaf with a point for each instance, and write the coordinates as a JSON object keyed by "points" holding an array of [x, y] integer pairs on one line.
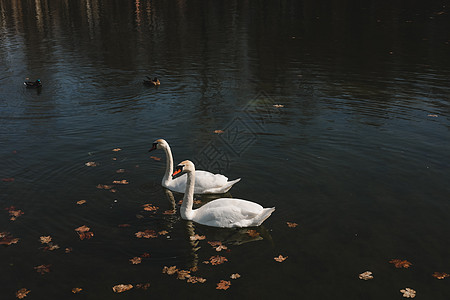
{"points": [[218, 131], [91, 164], [440, 275], [218, 246], [14, 213], [50, 246], [398, 263], [252, 233], [163, 232], [7, 239], [155, 158], [42, 269], [68, 250], [76, 290], [136, 260], [217, 260], [116, 149], [223, 285], [22, 293], [149, 207], [120, 288], [169, 212], [235, 276], [183, 274], [366, 275], [120, 171], [10, 179], [197, 237], [81, 202], [83, 228], [104, 186], [145, 255], [124, 181], [170, 270], [280, 258], [278, 105], [45, 239], [84, 233], [408, 293], [143, 286], [433, 116], [291, 224], [148, 233], [195, 279]]}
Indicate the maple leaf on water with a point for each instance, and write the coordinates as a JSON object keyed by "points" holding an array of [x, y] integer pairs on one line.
{"points": [[280, 258], [366, 275], [252, 233], [81, 202], [120, 288], [83, 228], [50, 246], [76, 290], [195, 279], [170, 270], [123, 181], [408, 293], [22, 293], [169, 212], [217, 260], [116, 149], [149, 207], [440, 275], [91, 164], [45, 239], [183, 274], [218, 131], [163, 232], [223, 285], [155, 158], [197, 237], [136, 260], [104, 186], [14, 213], [148, 233], [235, 276], [143, 286], [291, 224], [398, 263], [42, 269], [84, 233], [218, 246], [7, 239]]}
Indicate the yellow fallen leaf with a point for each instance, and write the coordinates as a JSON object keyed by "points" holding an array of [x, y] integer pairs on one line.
{"points": [[45, 239], [366, 275], [22, 293], [440, 275], [218, 131], [76, 290], [280, 258], [116, 149], [235, 276], [223, 285], [81, 202], [408, 293], [120, 288]]}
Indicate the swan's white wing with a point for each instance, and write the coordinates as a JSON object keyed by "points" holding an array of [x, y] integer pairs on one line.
{"points": [[205, 183]]}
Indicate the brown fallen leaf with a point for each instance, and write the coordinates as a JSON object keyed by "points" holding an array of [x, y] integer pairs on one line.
{"points": [[217, 260], [170, 270], [124, 181], [10, 179], [91, 164], [45, 239], [252, 233], [155, 158], [76, 290], [68, 250], [120, 288], [169, 212], [143, 286], [116, 149], [81, 202], [398, 263], [148, 233], [22, 293], [149, 207], [278, 105], [440, 275], [83, 228], [433, 116], [366, 275], [291, 224], [136, 260], [218, 246], [218, 131], [223, 285], [85, 235], [50, 247], [104, 186], [163, 232], [145, 255], [120, 171], [42, 269], [280, 258], [7, 239], [183, 274], [235, 276], [195, 279], [197, 237], [14, 213], [408, 293]]}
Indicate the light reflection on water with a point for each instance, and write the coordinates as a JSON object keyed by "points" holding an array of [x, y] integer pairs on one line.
{"points": [[357, 155]]}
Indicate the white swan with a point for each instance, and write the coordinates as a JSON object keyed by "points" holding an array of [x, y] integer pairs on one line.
{"points": [[207, 183], [222, 212]]}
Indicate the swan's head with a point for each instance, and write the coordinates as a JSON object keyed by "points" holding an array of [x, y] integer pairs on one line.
{"points": [[159, 144], [183, 167]]}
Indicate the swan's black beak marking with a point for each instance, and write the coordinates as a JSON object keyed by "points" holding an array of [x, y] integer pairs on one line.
{"points": [[153, 147], [178, 170]]}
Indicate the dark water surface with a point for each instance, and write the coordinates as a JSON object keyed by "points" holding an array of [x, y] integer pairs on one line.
{"points": [[357, 156]]}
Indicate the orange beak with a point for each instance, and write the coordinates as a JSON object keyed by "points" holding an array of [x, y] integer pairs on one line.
{"points": [[176, 172]]}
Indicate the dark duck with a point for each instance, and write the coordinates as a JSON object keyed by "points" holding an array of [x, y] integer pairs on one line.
{"points": [[152, 82], [33, 84]]}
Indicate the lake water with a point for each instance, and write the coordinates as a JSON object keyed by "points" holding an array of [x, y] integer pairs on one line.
{"points": [[336, 114]]}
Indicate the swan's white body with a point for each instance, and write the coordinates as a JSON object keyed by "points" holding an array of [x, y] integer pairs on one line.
{"points": [[206, 183], [222, 212]]}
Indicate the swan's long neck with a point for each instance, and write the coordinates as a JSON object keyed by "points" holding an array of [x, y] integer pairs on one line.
{"points": [[188, 199], [169, 166]]}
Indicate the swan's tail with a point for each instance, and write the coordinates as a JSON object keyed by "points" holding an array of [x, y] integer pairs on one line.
{"points": [[266, 212], [230, 184]]}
